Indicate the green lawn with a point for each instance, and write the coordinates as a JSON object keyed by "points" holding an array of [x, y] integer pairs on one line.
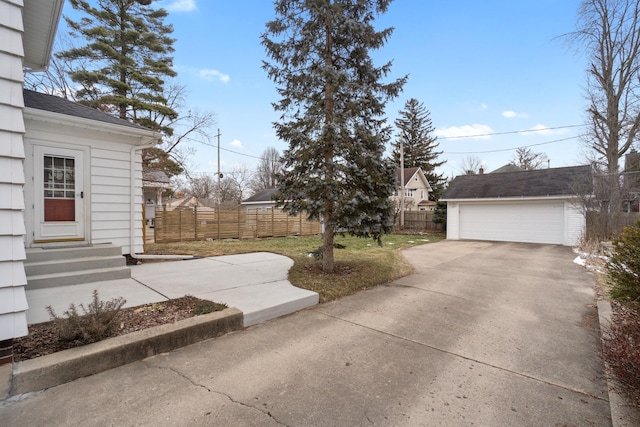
{"points": [[361, 265]]}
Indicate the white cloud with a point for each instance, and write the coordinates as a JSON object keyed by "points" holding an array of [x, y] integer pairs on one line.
{"points": [[544, 130], [511, 114], [475, 130], [212, 75], [237, 143], [484, 106], [181, 6]]}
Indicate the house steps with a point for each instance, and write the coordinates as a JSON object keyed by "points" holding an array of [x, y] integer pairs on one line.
{"points": [[50, 267]]}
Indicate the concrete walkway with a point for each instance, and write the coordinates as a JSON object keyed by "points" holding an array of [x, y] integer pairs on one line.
{"points": [[255, 283], [488, 334]]}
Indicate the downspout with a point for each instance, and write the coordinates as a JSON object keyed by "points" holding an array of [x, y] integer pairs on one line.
{"points": [[132, 208]]}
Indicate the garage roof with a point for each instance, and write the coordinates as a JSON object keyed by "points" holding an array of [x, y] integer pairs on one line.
{"points": [[565, 181], [262, 196]]}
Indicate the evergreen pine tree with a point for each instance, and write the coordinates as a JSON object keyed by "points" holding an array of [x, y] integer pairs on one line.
{"points": [[332, 106], [419, 144], [128, 47]]}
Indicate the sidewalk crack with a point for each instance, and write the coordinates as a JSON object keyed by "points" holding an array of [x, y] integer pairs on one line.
{"points": [[520, 374], [220, 393]]}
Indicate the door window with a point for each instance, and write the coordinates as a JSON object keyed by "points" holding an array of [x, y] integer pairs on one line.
{"points": [[59, 189]]}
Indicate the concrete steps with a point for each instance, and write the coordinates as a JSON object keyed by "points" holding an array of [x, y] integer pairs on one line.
{"points": [[51, 267]]}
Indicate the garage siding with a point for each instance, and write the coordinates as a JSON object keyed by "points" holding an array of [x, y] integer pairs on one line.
{"points": [[576, 223], [515, 221]]}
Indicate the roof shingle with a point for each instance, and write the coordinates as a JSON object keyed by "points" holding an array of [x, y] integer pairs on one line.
{"points": [[535, 183], [262, 196], [55, 104]]}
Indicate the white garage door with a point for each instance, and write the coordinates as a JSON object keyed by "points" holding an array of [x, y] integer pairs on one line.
{"points": [[513, 222]]}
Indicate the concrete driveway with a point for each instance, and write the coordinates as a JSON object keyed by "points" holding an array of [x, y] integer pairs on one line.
{"points": [[487, 334]]}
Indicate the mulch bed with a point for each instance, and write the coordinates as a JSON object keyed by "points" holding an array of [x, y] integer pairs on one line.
{"points": [[43, 339], [622, 348]]}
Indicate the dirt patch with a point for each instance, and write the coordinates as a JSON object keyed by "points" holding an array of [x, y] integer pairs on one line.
{"points": [[338, 270], [43, 340]]}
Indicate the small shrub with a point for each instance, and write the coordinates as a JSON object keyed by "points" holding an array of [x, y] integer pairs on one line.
{"points": [[96, 322], [623, 268], [621, 346], [206, 307]]}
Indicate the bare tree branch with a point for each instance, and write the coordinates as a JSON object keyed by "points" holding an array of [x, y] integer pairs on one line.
{"points": [[609, 30]]}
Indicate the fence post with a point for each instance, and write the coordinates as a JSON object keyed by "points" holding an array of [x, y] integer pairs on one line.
{"points": [[195, 222], [164, 224], [218, 219], [255, 230]]}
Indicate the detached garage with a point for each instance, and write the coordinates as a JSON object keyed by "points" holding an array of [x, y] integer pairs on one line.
{"points": [[536, 206]]}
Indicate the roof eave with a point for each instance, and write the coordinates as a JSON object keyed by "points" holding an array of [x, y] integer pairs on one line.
{"points": [[258, 202], [507, 199], [82, 123], [40, 20]]}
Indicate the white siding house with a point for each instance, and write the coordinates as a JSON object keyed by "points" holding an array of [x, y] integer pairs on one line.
{"points": [[261, 201], [20, 47], [537, 206], [58, 160], [108, 173]]}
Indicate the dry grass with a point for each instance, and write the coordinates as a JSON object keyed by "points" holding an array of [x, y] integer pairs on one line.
{"points": [[360, 265]]}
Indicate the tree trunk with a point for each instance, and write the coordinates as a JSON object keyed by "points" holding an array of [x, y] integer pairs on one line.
{"points": [[327, 248]]}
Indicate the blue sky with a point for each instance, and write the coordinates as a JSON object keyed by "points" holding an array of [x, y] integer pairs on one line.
{"points": [[478, 66]]}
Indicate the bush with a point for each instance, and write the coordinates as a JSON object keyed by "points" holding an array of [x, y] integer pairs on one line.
{"points": [[95, 323], [621, 346], [206, 307], [623, 268]]}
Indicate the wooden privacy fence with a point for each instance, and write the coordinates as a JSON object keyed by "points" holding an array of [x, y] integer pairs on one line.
{"points": [[604, 225], [419, 220], [202, 223]]}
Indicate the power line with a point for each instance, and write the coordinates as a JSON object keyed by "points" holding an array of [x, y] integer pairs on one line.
{"points": [[508, 133], [513, 148], [459, 137], [231, 151]]}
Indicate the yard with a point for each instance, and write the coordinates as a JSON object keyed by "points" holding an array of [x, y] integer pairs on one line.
{"points": [[361, 264]]}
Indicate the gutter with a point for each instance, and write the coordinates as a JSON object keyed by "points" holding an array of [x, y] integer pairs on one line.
{"points": [[132, 206]]}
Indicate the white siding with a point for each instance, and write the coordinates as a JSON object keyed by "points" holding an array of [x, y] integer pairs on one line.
{"points": [[453, 214], [529, 221], [513, 222], [576, 224], [109, 180], [13, 322]]}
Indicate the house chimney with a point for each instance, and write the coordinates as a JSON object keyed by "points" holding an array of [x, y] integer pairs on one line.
{"points": [[481, 170]]}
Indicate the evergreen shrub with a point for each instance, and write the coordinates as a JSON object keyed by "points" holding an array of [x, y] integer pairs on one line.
{"points": [[623, 267]]}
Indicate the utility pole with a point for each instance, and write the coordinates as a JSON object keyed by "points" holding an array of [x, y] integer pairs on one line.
{"points": [[219, 174], [401, 184]]}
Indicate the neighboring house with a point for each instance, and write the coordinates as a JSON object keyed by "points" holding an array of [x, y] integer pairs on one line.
{"points": [[510, 167], [183, 202], [416, 190], [262, 200], [69, 174], [537, 206], [153, 185]]}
